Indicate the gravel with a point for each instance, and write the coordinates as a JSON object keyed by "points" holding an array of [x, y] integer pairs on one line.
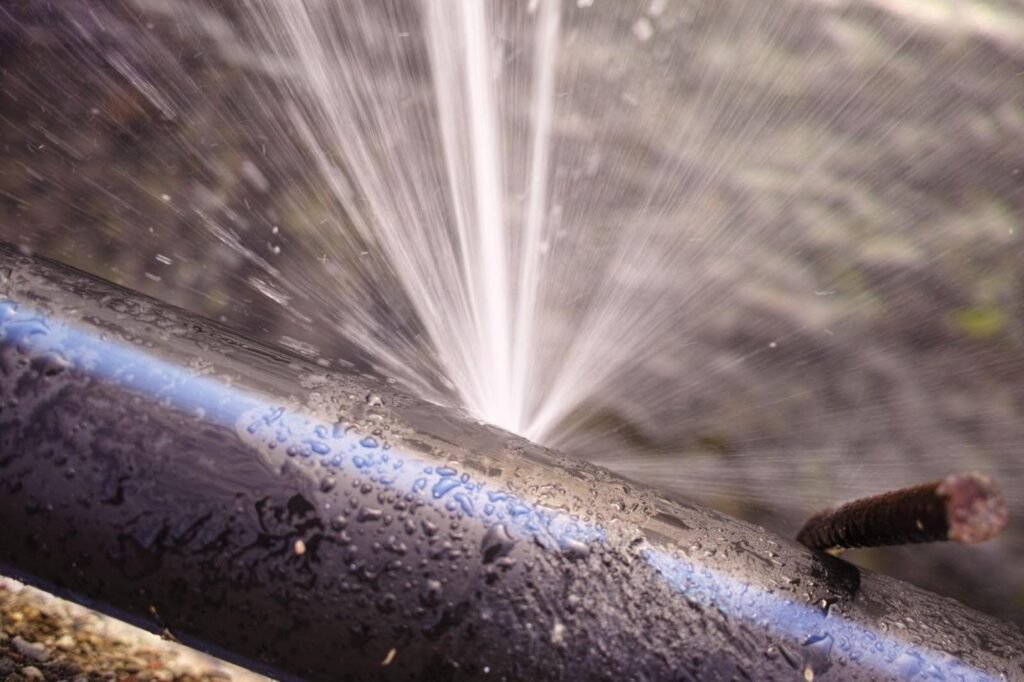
{"points": [[45, 638]]}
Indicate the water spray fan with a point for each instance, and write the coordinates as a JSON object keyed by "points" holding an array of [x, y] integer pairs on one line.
{"points": [[317, 524]]}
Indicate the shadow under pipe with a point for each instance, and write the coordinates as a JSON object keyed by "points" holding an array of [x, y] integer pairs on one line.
{"points": [[313, 523]]}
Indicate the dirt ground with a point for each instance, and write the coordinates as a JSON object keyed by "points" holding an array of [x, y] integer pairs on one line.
{"points": [[45, 638]]}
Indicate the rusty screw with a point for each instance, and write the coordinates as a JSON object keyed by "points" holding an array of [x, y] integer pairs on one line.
{"points": [[966, 507]]}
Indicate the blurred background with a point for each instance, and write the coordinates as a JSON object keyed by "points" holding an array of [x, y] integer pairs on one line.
{"points": [[813, 206]]}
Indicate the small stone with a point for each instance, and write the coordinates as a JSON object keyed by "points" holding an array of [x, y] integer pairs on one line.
{"points": [[37, 652], [30, 672], [65, 643]]}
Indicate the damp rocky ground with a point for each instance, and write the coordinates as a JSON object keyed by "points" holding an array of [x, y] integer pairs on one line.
{"points": [[45, 638], [873, 331]]}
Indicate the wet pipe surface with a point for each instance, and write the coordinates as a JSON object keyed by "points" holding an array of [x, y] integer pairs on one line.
{"points": [[313, 523]]}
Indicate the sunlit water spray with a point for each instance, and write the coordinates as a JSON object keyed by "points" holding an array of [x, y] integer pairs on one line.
{"points": [[746, 250], [530, 310], [457, 206]]}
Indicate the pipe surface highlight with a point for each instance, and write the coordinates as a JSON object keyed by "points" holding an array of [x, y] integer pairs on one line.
{"points": [[315, 523]]}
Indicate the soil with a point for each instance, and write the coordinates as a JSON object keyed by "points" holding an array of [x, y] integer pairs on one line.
{"points": [[46, 638]]}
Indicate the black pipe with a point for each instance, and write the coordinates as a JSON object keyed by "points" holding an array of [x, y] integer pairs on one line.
{"points": [[314, 523]]}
